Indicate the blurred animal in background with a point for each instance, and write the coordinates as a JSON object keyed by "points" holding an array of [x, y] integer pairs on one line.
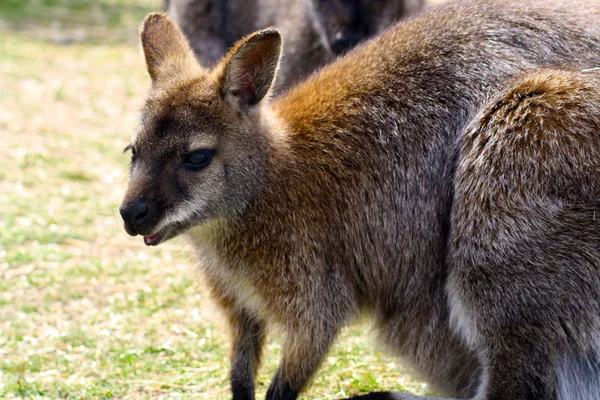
{"points": [[443, 179], [342, 24], [316, 31]]}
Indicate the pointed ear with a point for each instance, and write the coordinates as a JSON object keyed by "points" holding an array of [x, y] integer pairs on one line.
{"points": [[168, 54], [251, 68]]}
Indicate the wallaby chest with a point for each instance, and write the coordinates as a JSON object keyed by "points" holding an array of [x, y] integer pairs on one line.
{"points": [[234, 281]]}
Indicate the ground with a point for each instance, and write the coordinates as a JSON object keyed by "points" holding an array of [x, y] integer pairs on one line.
{"points": [[85, 310]]}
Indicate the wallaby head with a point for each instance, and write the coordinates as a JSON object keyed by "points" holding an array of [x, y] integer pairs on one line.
{"points": [[200, 152]]}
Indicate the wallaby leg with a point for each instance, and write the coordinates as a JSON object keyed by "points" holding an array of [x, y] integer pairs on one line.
{"points": [[248, 340], [519, 366], [303, 351]]}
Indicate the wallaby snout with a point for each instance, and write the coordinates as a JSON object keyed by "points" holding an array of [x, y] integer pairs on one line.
{"points": [[135, 215], [143, 217]]}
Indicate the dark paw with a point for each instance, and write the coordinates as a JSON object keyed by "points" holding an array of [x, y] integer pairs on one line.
{"points": [[374, 396], [242, 393], [278, 391]]}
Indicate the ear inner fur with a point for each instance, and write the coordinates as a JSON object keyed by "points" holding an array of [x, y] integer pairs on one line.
{"points": [[250, 71]]}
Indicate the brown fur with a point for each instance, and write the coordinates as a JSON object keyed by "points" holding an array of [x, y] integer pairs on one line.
{"points": [[443, 178], [316, 31]]}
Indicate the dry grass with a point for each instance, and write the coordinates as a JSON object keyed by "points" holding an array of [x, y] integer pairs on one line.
{"points": [[85, 310]]}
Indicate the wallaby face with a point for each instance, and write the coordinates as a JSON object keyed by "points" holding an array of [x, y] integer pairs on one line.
{"points": [[199, 152], [341, 23]]}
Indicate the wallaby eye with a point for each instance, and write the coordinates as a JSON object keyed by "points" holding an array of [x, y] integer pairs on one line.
{"points": [[197, 159], [133, 153]]}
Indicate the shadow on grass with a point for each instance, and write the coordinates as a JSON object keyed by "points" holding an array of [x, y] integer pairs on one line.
{"points": [[68, 21]]}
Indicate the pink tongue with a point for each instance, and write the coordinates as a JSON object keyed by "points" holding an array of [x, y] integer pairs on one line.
{"points": [[148, 240]]}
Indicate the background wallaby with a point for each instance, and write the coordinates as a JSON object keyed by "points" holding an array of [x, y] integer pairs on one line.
{"points": [[443, 178], [316, 31]]}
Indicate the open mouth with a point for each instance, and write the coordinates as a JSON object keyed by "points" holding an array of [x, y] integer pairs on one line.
{"points": [[154, 239]]}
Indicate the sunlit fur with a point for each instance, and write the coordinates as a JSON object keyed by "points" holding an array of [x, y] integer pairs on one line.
{"points": [[442, 179]]}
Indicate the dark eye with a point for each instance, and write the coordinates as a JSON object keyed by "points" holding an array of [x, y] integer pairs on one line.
{"points": [[198, 159], [133, 153]]}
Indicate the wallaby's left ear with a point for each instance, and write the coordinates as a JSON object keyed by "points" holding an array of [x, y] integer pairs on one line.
{"points": [[251, 68]]}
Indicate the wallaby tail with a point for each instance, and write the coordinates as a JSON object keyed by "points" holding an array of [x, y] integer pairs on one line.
{"points": [[578, 378]]}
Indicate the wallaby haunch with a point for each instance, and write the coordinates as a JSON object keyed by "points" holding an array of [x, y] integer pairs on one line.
{"points": [[315, 31], [443, 178]]}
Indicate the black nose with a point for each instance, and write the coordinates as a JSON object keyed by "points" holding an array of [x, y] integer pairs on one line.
{"points": [[134, 214]]}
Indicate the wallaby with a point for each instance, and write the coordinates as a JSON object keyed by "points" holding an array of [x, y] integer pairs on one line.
{"points": [[443, 178], [316, 31]]}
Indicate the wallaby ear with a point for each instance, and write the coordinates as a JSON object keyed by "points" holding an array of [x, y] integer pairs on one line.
{"points": [[167, 52], [251, 68]]}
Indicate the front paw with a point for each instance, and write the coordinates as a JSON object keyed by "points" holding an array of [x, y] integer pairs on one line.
{"points": [[281, 390]]}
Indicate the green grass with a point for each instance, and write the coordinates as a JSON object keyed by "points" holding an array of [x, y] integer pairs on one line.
{"points": [[66, 21], [87, 312]]}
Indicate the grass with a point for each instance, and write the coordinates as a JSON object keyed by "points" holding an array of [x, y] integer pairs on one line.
{"points": [[85, 310]]}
